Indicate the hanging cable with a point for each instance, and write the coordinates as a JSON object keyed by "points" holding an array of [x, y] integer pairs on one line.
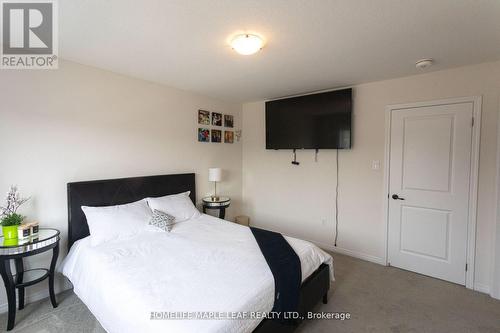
{"points": [[294, 161], [337, 201]]}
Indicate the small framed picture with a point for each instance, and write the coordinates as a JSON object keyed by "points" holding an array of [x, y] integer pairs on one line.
{"points": [[216, 135], [216, 119], [228, 120], [228, 136], [203, 135], [203, 117]]}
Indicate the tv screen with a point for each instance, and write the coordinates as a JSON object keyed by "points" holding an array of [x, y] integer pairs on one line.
{"points": [[317, 121]]}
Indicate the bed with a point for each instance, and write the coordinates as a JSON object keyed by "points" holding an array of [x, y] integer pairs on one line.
{"points": [[161, 282]]}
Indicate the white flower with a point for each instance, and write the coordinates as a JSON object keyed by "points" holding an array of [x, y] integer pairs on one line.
{"points": [[14, 201]]}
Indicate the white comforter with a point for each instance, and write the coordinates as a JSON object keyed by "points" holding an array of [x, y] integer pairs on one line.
{"points": [[204, 264]]}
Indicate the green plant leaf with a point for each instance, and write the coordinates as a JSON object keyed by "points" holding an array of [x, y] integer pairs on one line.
{"points": [[12, 219]]}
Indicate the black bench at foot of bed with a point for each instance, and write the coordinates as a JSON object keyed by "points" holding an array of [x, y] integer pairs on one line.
{"points": [[313, 289]]}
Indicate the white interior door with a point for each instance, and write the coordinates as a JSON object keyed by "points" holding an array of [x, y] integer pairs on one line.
{"points": [[429, 179]]}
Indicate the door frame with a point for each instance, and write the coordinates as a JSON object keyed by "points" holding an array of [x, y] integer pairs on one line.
{"points": [[495, 276], [476, 134]]}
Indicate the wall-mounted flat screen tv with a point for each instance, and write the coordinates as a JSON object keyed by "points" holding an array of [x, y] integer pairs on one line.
{"points": [[316, 121]]}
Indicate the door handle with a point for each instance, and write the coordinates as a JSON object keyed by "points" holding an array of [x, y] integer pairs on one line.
{"points": [[396, 197]]}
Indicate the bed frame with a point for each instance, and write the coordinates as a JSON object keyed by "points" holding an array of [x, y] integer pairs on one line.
{"points": [[124, 190]]}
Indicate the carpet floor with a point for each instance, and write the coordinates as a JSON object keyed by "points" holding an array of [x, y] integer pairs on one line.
{"points": [[378, 299]]}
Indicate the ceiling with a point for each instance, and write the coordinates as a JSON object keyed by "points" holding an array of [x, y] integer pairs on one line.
{"points": [[311, 45]]}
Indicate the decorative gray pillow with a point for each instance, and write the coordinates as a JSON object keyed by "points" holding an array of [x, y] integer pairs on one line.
{"points": [[162, 220]]}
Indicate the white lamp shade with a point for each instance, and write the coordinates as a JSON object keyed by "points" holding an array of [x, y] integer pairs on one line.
{"points": [[214, 174]]}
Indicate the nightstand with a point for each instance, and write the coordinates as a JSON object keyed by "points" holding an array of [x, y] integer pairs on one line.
{"points": [[18, 249], [221, 203]]}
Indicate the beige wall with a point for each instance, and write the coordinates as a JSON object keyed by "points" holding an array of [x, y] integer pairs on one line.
{"points": [[81, 123], [300, 200]]}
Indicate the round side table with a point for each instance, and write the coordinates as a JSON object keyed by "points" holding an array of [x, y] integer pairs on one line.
{"points": [[18, 249], [220, 203]]}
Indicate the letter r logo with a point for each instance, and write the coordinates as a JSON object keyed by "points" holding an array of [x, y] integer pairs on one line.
{"points": [[27, 28]]}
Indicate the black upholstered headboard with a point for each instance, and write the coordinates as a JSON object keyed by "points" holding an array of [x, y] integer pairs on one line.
{"points": [[119, 191]]}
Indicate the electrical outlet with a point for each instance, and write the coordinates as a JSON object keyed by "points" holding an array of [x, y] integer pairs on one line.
{"points": [[375, 165]]}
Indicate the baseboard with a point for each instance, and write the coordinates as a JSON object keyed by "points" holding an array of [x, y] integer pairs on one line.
{"points": [[37, 296], [351, 253], [355, 254], [482, 288]]}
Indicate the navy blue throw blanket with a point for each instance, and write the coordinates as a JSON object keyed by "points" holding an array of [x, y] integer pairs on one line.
{"points": [[285, 266]]}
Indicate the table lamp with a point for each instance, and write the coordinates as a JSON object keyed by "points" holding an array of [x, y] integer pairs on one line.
{"points": [[214, 175]]}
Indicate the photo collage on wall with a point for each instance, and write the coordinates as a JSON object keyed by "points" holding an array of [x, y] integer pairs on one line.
{"points": [[209, 119]]}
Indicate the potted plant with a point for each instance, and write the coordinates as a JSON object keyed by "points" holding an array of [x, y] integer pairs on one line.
{"points": [[9, 218]]}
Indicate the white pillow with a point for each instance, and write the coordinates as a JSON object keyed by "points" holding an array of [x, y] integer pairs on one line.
{"points": [[179, 206], [117, 222]]}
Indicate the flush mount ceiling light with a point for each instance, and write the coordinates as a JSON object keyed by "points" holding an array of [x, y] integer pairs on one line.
{"points": [[247, 44], [424, 63]]}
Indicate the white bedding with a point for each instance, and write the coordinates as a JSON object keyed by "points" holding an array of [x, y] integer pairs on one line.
{"points": [[203, 264]]}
